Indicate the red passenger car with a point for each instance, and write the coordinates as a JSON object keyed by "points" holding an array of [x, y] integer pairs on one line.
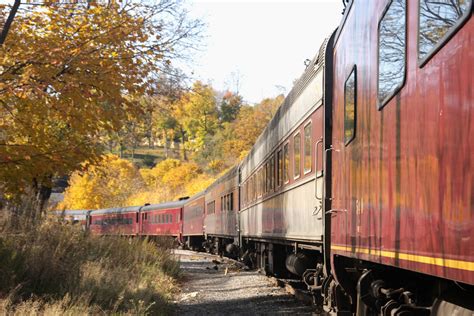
{"points": [[163, 219], [115, 221], [193, 221], [403, 149]]}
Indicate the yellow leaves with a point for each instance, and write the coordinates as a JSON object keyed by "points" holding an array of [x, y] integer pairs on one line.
{"points": [[106, 184], [116, 182]]}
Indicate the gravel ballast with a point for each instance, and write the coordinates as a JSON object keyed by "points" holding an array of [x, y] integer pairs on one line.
{"points": [[216, 286]]}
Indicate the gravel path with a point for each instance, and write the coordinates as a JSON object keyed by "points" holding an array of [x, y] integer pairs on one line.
{"points": [[217, 286]]}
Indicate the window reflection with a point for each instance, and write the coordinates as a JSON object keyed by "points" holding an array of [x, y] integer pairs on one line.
{"points": [[297, 155], [350, 107], [392, 50], [437, 17], [307, 148]]}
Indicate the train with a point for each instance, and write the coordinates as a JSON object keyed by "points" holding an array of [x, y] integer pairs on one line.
{"points": [[362, 184]]}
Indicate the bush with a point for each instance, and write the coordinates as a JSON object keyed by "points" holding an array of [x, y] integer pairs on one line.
{"points": [[58, 269]]}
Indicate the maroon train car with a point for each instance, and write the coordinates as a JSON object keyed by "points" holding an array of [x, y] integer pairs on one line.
{"points": [[193, 221], [165, 219], [222, 204], [115, 221], [402, 178]]}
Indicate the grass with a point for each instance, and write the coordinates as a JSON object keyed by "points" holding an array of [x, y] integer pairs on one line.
{"points": [[57, 269]]}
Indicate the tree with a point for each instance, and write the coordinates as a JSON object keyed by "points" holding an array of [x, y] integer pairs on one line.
{"points": [[241, 134], [230, 106], [68, 75], [197, 113], [109, 183]]}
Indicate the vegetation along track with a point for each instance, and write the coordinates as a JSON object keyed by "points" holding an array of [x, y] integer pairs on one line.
{"points": [[213, 286]]}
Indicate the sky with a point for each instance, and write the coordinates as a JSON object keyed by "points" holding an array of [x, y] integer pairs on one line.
{"points": [[258, 48]]}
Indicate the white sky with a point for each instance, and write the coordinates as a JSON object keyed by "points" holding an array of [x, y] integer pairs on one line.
{"points": [[264, 42]]}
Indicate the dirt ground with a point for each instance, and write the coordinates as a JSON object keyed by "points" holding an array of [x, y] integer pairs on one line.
{"points": [[219, 286]]}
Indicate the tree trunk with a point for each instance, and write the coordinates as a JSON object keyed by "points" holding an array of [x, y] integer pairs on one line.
{"points": [[165, 138], [183, 138]]}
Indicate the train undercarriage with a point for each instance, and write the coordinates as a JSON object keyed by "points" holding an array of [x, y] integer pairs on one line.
{"points": [[362, 288]]}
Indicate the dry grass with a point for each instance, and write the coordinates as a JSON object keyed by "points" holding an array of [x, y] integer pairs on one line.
{"points": [[56, 269]]}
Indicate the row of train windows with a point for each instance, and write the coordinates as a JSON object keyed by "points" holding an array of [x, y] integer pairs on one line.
{"points": [[114, 221], [227, 202], [275, 173], [437, 21], [158, 218]]}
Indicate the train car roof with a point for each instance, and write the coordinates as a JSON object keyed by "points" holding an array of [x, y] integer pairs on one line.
{"points": [[231, 173], [71, 212], [196, 196], [163, 206], [116, 210]]}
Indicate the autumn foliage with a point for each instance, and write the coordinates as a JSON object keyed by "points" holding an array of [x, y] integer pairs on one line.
{"points": [[117, 182], [71, 74]]}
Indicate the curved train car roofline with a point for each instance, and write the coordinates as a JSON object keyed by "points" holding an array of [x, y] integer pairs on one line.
{"points": [[196, 196], [163, 206], [116, 210], [71, 212], [231, 173]]}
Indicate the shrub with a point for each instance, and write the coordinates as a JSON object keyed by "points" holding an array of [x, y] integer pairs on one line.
{"points": [[59, 269]]}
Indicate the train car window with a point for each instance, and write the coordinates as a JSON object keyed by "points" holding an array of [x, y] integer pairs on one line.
{"points": [[391, 51], [267, 166], [231, 202], [211, 207], [249, 190], [279, 167], [272, 173], [259, 183], [246, 192], [297, 155], [254, 187], [307, 160], [253, 193], [264, 179], [350, 107], [286, 163], [437, 22]]}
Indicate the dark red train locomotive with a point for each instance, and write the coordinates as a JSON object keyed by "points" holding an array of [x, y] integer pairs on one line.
{"points": [[362, 184]]}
